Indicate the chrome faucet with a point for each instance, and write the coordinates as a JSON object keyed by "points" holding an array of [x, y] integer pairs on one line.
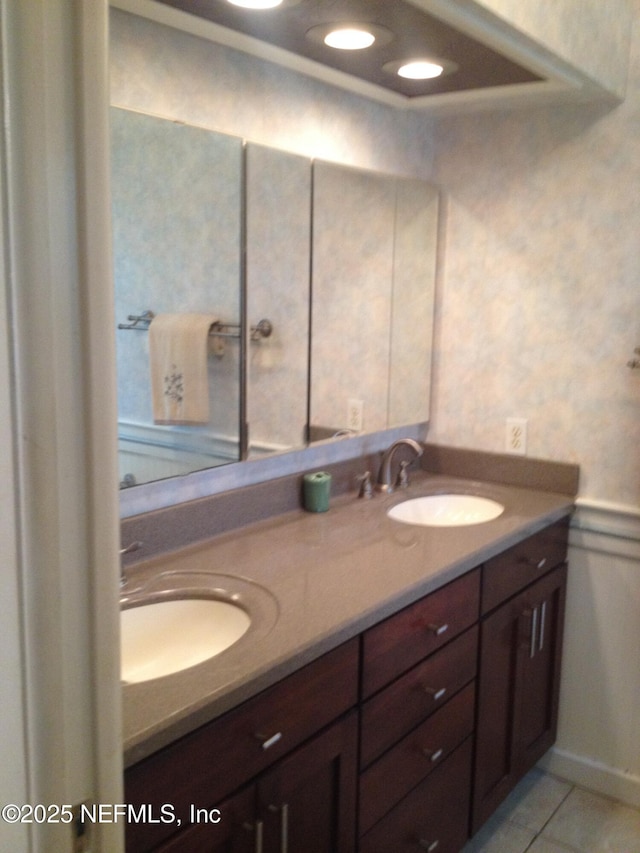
{"points": [[384, 483]]}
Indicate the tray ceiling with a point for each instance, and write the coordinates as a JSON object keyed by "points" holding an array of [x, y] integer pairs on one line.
{"points": [[415, 33]]}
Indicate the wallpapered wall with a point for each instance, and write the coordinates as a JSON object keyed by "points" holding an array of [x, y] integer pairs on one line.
{"points": [[164, 71], [553, 23], [539, 308]]}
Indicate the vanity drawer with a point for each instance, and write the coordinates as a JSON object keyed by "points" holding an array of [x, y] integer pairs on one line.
{"points": [[210, 763], [415, 757], [509, 572], [434, 816], [391, 714], [407, 637]]}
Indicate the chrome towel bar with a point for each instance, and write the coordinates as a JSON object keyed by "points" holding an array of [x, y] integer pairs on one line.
{"points": [[263, 329]]}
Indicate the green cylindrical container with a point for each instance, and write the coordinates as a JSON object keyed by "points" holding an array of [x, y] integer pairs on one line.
{"points": [[317, 488]]}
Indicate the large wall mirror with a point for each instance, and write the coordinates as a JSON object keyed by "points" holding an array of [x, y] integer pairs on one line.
{"points": [[341, 262], [177, 231], [374, 256], [278, 239]]}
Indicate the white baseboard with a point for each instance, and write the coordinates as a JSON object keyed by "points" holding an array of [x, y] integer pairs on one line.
{"points": [[592, 775]]}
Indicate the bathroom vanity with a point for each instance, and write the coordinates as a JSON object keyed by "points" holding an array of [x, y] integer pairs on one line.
{"points": [[410, 679]]}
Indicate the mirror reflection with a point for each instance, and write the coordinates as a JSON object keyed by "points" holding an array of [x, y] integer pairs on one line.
{"points": [[374, 256], [278, 229], [177, 208], [340, 260]]}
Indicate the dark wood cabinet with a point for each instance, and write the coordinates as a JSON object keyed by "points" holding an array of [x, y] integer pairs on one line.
{"points": [[402, 739], [308, 803], [519, 673], [432, 817], [417, 729], [401, 641], [410, 699], [205, 768], [305, 804], [415, 757], [230, 828]]}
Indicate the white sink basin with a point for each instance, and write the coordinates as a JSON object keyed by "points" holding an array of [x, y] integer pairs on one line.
{"points": [[164, 637], [450, 510]]}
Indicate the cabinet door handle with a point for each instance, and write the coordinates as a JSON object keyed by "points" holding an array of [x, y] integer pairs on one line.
{"points": [[438, 630], [543, 619], [257, 830], [267, 741], [436, 693], [284, 825], [432, 754], [534, 631], [429, 846]]}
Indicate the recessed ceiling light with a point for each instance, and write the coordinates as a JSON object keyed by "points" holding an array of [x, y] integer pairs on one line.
{"points": [[420, 69], [256, 4], [349, 36]]}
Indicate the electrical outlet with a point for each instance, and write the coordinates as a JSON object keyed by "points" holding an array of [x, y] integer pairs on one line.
{"points": [[355, 412], [516, 436]]}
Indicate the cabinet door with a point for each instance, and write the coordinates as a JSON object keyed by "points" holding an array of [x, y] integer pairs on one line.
{"points": [[207, 765], [540, 648], [518, 688], [307, 803]]}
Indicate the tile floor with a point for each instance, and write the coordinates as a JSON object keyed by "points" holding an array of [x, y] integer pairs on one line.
{"points": [[545, 814]]}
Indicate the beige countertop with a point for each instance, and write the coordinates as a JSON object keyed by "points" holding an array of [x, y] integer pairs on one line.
{"points": [[327, 577]]}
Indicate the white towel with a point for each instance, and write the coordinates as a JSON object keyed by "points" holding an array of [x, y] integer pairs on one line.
{"points": [[178, 347]]}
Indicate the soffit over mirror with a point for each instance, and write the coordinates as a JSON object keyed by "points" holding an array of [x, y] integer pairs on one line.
{"points": [[353, 324], [409, 32]]}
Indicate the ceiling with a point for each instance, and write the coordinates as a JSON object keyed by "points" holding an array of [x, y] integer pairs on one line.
{"points": [[415, 33]]}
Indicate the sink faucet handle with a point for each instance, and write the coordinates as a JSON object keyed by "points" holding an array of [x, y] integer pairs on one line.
{"points": [[366, 487], [403, 475]]}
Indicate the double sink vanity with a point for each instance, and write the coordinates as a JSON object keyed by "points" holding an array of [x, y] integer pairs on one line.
{"points": [[380, 674]]}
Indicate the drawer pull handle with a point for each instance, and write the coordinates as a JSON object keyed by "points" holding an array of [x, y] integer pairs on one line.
{"points": [[435, 693], [429, 846], [433, 755], [438, 630], [267, 741], [536, 564]]}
